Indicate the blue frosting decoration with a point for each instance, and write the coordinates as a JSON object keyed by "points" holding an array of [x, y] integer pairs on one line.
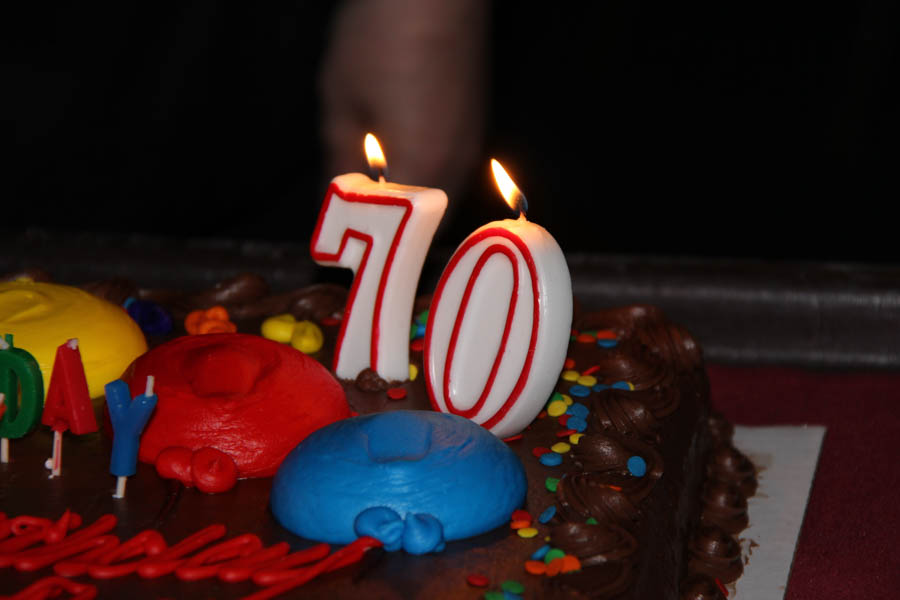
{"points": [[412, 479]]}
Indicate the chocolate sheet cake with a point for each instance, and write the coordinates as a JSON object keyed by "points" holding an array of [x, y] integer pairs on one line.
{"points": [[628, 472]]}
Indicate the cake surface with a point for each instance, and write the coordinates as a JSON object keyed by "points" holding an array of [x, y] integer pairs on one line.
{"points": [[640, 456]]}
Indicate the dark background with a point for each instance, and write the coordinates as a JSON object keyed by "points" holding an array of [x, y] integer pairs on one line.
{"points": [[646, 128]]}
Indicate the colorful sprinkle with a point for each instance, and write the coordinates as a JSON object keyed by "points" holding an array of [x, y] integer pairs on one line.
{"points": [[512, 596], [567, 399], [492, 595], [622, 385], [607, 343], [557, 408], [560, 447], [513, 438], [520, 515], [591, 370], [519, 524], [511, 585], [422, 317], [527, 532], [330, 321], [570, 563], [580, 391], [396, 393], [569, 364], [477, 580], [606, 334], [551, 483], [535, 567], [585, 338], [565, 432], [600, 387], [548, 514], [417, 345], [562, 420], [577, 423], [413, 372], [578, 410], [553, 554], [721, 587], [551, 459], [637, 466], [554, 567], [569, 375], [587, 380], [574, 438]]}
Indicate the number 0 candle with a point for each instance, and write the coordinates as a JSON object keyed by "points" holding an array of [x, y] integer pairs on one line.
{"points": [[500, 322], [381, 231]]}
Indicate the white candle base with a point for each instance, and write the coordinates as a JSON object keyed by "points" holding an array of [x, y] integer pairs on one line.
{"points": [[120, 487], [54, 463], [4, 450]]}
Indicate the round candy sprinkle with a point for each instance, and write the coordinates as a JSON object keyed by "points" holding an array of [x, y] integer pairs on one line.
{"points": [[578, 410], [553, 554], [565, 432], [527, 532], [637, 466], [560, 447], [567, 399], [417, 344], [580, 391], [420, 331], [551, 459], [413, 372], [493, 595], [520, 515], [412, 331], [569, 364], [600, 387], [307, 337], [396, 393], [606, 334], [563, 419], [591, 370], [513, 586], [570, 375], [551, 483], [607, 343], [570, 563], [539, 451], [548, 514], [422, 317], [557, 408], [330, 321], [577, 423], [535, 567], [554, 567], [585, 338], [622, 385], [477, 580], [587, 380], [575, 438], [520, 524]]}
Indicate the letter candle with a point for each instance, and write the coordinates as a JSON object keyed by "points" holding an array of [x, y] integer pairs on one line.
{"points": [[381, 231], [22, 390], [128, 420], [68, 404], [500, 322]]}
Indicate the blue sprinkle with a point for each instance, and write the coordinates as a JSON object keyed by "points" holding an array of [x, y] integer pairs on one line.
{"points": [[621, 385], [420, 331], [551, 459], [412, 331], [422, 318], [541, 552], [580, 391], [607, 343], [600, 387], [576, 423], [128, 302], [637, 466], [545, 517], [577, 409], [507, 595]]}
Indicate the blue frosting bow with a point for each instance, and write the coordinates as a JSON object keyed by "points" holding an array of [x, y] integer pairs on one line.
{"points": [[417, 534]]}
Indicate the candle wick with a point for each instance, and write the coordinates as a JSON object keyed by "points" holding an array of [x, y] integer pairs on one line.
{"points": [[381, 178], [521, 205]]}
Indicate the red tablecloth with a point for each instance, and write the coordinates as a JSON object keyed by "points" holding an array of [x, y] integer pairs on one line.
{"points": [[849, 545]]}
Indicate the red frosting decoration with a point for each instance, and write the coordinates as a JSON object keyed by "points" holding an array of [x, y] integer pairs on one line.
{"points": [[213, 471], [247, 397], [174, 462], [68, 404]]}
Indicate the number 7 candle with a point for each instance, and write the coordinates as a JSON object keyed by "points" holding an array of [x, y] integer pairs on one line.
{"points": [[381, 231], [499, 322]]}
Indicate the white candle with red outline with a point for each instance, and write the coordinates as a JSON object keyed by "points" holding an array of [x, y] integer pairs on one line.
{"points": [[381, 231], [500, 322]]}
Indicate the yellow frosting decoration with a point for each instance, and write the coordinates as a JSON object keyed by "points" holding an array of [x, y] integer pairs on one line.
{"points": [[42, 316]]}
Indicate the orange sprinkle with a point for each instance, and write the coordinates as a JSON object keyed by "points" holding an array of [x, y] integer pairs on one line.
{"points": [[519, 524], [614, 487], [513, 438], [570, 563], [591, 370], [569, 364], [554, 567], [585, 338], [535, 567], [606, 334], [520, 515]]}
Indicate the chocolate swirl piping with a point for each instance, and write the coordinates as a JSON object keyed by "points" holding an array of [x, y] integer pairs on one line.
{"points": [[715, 553]]}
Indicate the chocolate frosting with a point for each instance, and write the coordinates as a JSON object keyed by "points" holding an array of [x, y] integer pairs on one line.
{"points": [[725, 506], [715, 553], [594, 543], [623, 412], [600, 582], [585, 495], [608, 453], [700, 587], [729, 465]]}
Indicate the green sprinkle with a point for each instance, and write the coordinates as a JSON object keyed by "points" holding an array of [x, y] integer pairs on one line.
{"points": [[551, 483], [512, 586], [591, 521], [412, 331], [422, 317], [493, 595], [553, 553]]}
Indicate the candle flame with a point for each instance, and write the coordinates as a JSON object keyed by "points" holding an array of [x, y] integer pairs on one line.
{"points": [[374, 155], [508, 188]]}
